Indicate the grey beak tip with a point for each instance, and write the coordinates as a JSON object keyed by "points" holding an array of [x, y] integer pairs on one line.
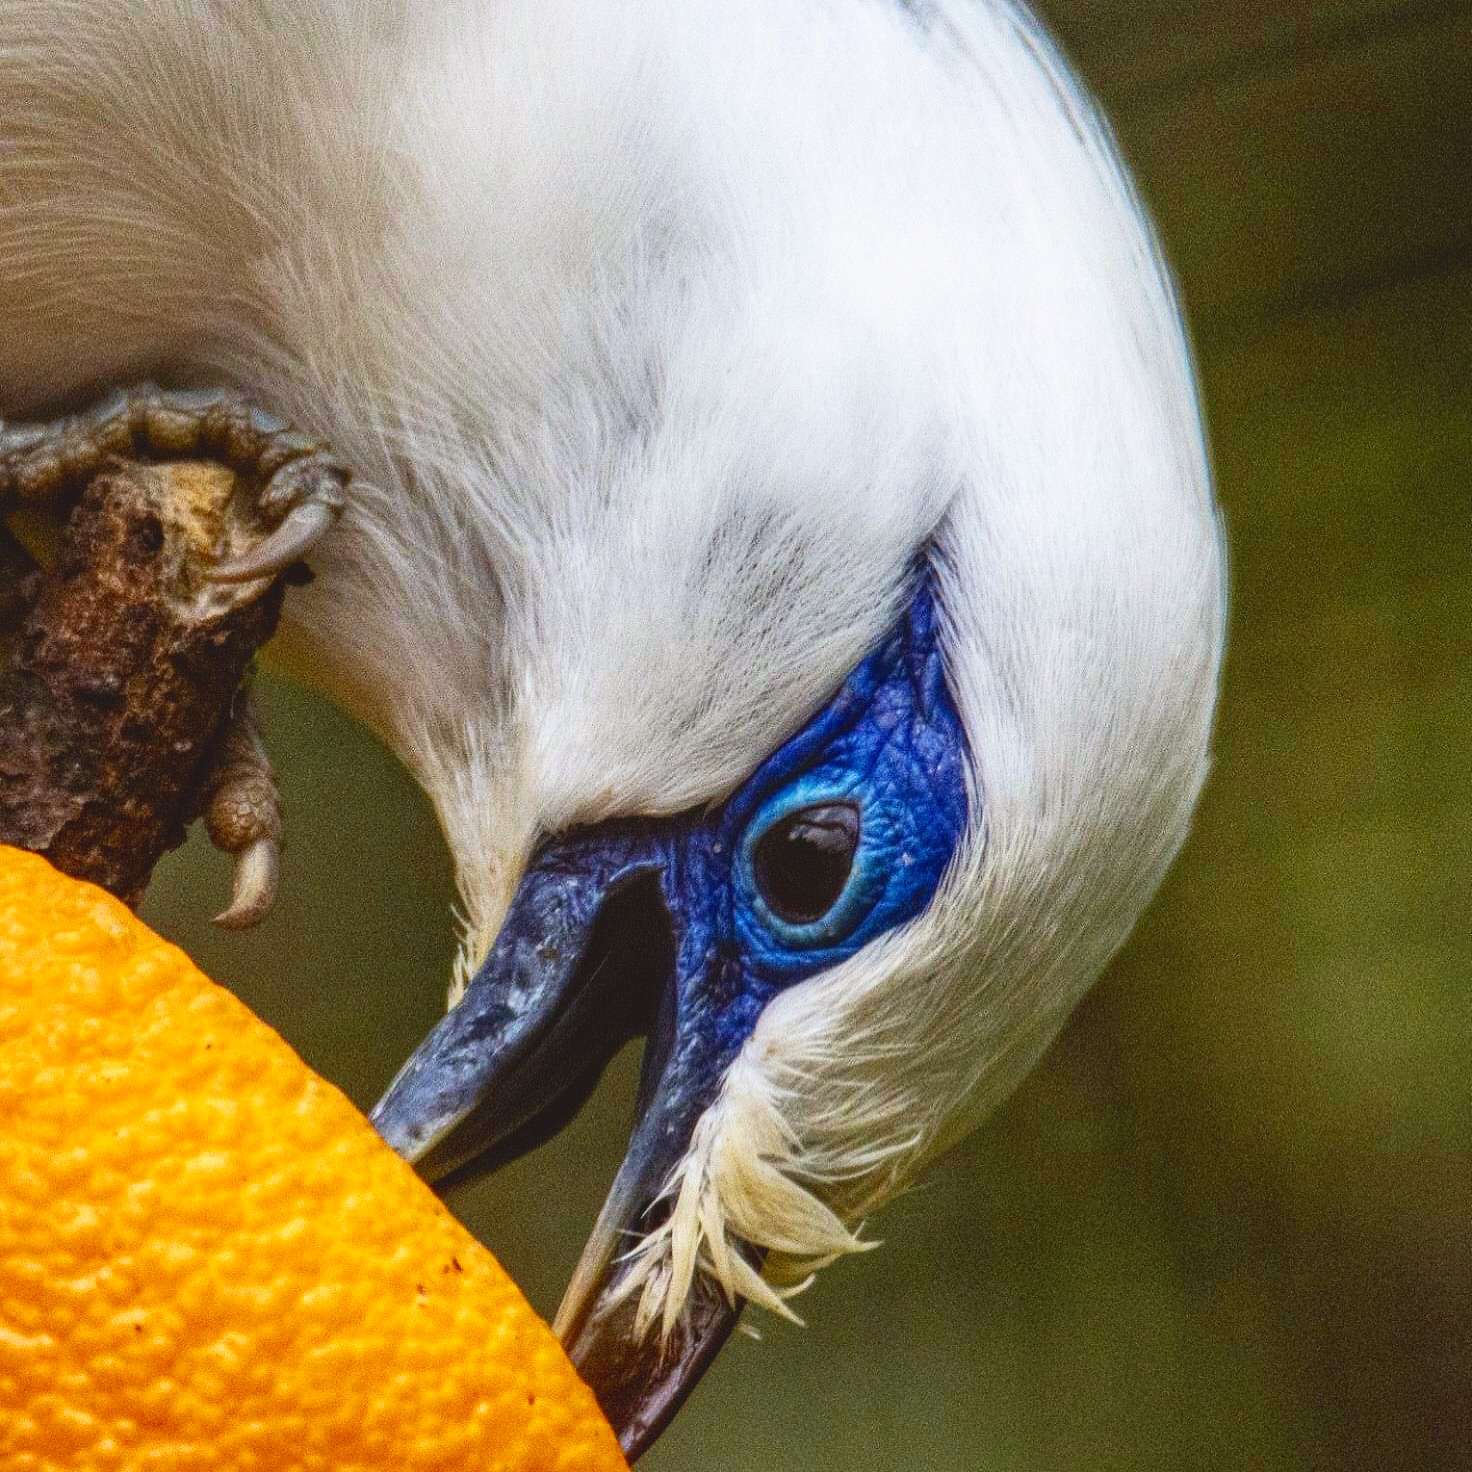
{"points": [[398, 1140], [404, 1125], [639, 1381]]}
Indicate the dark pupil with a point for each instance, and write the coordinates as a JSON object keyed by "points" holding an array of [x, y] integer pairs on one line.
{"points": [[803, 862]]}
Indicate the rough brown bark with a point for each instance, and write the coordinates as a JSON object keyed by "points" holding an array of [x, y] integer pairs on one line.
{"points": [[122, 669]]}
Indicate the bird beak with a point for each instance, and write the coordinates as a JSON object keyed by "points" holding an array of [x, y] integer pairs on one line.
{"points": [[588, 958], [641, 1379]]}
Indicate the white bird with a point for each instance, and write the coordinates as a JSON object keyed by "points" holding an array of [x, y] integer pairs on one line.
{"points": [[781, 542]]}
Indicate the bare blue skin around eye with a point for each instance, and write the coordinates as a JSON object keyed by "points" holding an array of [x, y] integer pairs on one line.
{"points": [[890, 742], [691, 953]]}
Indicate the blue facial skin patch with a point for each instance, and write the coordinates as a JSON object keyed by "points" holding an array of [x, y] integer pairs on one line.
{"points": [[889, 742], [585, 961]]}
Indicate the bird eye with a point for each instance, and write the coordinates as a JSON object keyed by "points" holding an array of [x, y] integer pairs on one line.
{"points": [[802, 862]]}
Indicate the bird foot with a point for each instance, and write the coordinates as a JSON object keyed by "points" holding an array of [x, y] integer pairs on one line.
{"points": [[302, 484], [242, 813]]}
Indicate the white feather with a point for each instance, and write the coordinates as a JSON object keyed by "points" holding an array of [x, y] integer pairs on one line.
{"points": [[662, 336]]}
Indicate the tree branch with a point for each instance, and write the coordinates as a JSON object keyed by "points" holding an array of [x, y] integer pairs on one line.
{"points": [[123, 668]]}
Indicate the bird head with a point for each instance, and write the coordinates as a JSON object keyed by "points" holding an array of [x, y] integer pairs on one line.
{"points": [[798, 586]]}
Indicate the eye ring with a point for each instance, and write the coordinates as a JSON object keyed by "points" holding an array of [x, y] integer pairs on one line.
{"points": [[803, 861]]}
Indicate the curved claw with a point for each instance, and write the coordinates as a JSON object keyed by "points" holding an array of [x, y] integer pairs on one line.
{"points": [[300, 531], [242, 814], [257, 878]]}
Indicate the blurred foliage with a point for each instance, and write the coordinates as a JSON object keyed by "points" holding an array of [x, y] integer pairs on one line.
{"points": [[1228, 1222]]}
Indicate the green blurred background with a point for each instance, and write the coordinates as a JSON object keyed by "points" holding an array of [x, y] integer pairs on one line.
{"points": [[1228, 1222]]}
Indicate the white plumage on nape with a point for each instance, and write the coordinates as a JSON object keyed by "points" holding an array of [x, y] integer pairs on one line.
{"points": [[663, 339]]}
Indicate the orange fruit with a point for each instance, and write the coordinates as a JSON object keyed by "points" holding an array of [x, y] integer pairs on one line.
{"points": [[208, 1260]]}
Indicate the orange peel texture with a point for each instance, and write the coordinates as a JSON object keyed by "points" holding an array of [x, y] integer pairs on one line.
{"points": [[208, 1260]]}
